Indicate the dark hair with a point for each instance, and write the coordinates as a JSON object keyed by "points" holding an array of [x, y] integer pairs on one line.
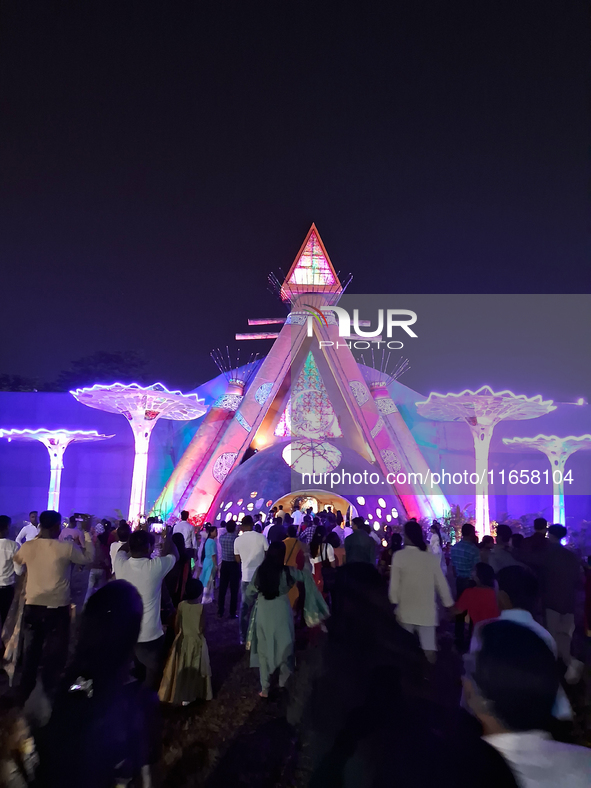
{"points": [[178, 541], [517, 540], [33, 511], [468, 530], [557, 531], [503, 533], [4, 522], [487, 539], [50, 519], [316, 520], [396, 542], [520, 585], [307, 519], [231, 526], [317, 540], [333, 540], [268, 574], [277, 521], [358, 521], [292, 531], [517, 673], [281, 506], [184, 515], [486, 574], [123, 531], [139, 542], [540, 524], [414, 532], [247, 520], [109, 629], [193, 588], [210, 529]]}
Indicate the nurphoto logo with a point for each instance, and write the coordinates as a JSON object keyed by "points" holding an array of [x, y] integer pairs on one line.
{"points": [[394, 318]]}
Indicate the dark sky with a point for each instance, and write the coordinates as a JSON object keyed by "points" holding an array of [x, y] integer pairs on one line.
{"points": [[158, 159]]}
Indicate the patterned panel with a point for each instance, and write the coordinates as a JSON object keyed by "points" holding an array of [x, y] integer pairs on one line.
{"points": [[386, 405], [309, 413], [263, 392], [360, 391], [222, 466], [391, 460], [296, 319], [228, 402], [378, 427], [242, 421]]}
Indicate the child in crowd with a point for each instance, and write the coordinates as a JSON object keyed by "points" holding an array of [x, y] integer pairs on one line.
{"points": [[479, 602], [187, 675]]}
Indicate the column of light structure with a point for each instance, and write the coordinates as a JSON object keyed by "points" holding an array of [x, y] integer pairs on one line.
{"points": [[56, 442], [557, 450], [482, 410], [142, 406]]}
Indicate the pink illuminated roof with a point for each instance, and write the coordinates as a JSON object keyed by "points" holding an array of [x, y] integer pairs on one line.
{"points": [[312, 269]]}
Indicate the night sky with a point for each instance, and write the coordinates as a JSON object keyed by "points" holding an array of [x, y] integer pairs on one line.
{"points": [[158, 159]]}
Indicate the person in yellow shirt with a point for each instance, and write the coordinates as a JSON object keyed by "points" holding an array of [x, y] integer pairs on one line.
{"points": [[46, 616]]}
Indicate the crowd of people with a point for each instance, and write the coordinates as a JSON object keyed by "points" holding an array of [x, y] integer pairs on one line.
{"points": [[100, 621]]}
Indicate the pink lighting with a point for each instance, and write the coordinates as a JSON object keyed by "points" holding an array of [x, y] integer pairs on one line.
{"points": [[56, 442], [142, 406]]}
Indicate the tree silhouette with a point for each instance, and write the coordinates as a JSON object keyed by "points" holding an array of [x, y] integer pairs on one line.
{"points": [[126, 366]]}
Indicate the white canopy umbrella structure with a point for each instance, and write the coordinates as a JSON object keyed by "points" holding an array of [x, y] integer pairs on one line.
{"points": [[557, 450], [482, 410], [56, 442], [142, 406]]}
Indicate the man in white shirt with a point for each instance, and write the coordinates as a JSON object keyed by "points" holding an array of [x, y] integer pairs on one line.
{"points": [[7, 569], [415, 578], [280, 512], [342, 532], [185, 528], [297, 517], [133, 563], [123, 534], [30, 529], [511, 685], [249, 550]]}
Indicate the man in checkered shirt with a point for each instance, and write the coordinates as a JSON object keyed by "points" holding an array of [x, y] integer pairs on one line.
{"points": [[464, 557], [309, 526], [229, 571]]}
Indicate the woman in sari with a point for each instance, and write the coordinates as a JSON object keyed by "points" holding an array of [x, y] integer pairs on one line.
{"points": [[209, 557], [271, 637]]}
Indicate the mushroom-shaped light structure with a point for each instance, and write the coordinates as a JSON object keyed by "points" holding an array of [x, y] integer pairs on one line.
{"points": [[142, 406], [482, 410], [56, 442], [557, 450]]}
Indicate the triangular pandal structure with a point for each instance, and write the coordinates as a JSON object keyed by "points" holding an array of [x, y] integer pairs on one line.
{"points": [[312, 270], [357, 426]]}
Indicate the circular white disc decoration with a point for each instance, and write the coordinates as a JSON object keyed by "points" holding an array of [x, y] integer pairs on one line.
{"points": [[382, 503], [308, 456], [360, 500]]}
